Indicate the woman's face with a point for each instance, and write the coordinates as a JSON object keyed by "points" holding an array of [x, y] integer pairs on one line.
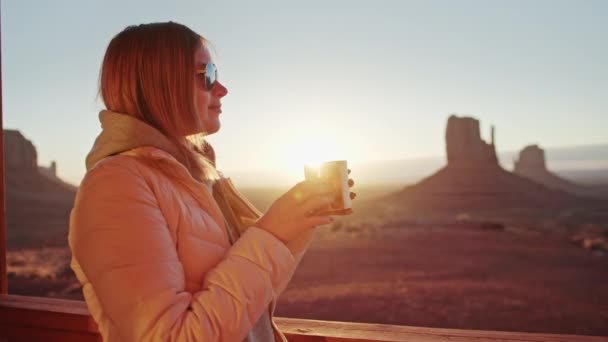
{"points": [[208, 102]]}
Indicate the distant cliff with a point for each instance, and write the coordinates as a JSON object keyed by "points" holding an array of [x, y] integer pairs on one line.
{"points": [[473, 179], [38, 203], [464, 146], [19, 153], [22, 170], [531, 164]]}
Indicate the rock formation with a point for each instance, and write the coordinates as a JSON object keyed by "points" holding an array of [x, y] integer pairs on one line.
{"points": [[19, 153], [531, 159], [473, 179], [22, 172], [37, 202], [464, 146], [531, 164], [50, 171]]}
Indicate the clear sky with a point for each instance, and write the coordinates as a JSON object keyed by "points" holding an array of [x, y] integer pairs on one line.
{"points": [[356, 80]]}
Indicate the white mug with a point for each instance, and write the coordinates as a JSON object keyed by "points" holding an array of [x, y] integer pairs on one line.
{"points": [[334, 173]]}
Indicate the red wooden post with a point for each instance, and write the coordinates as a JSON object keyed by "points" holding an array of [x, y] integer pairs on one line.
{"points": [[3, 268]]}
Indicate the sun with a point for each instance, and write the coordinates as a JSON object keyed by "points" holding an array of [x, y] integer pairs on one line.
{"points": [[309, 151]]}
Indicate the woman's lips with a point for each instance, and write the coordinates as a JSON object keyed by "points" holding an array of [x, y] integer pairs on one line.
{"points": [[216, 108]]}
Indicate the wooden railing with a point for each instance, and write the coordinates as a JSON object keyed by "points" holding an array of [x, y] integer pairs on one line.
{"points": [[47, 319]]}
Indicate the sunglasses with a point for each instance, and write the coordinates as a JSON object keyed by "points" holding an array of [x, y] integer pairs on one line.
{"points": [[208, 75]]}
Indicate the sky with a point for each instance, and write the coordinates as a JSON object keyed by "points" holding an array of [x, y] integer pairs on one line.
{"points": [[323, 80]]}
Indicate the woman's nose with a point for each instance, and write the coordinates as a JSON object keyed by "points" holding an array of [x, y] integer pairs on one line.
{"points": [[219, 89]]}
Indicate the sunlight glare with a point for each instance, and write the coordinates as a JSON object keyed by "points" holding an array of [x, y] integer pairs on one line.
{"points": [[310, 152]]}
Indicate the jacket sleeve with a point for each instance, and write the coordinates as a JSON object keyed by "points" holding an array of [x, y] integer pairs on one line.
{"points": [[245, 214], [120, 238], [298, 248]]}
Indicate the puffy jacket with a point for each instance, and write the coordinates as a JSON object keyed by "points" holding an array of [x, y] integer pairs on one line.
{"points": [[154, 255]]}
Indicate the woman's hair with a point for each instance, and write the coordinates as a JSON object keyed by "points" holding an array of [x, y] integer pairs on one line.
{"points": [[148, 73]]}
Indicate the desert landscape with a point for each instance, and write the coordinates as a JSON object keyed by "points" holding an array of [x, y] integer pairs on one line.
{"points": [[471, 246]]}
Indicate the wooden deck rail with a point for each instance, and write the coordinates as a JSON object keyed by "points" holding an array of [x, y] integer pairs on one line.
{"points": [[46, 319]]}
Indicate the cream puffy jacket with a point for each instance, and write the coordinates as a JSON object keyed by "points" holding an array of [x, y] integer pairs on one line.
{"points": [[154, 256]]}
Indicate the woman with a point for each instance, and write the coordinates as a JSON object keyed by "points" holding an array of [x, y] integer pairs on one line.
{"points": [[165, 248]]}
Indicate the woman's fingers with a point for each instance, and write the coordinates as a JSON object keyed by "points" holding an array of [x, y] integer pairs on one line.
{"points": [[353, 195], [316, 203], [306, 189], [341, 212], [351, 182], [314, 221]]}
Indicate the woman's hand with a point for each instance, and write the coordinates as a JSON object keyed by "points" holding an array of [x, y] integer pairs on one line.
{"points": [[291, 214], [299, 208]]}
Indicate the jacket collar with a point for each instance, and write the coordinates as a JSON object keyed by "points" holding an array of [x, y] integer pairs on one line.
{"points": [[121, 132]]}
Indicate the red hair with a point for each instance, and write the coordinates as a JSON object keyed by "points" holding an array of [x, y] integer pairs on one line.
{"points": [[148, 73]]}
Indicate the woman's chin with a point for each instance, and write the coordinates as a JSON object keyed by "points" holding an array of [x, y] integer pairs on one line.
{"points": [[213, 127]]}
